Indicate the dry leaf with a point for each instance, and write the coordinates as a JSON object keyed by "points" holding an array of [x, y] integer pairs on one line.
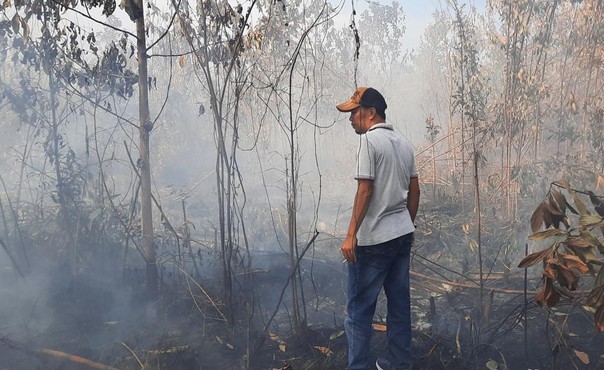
{"points": [[282, 347], [542, 235], [560, 200], [580, 205], [574, 262], [597, 202], [600, 182], [535, 258], [599, 319], [337, 334], [566, 277], [274, 337], [379, 327], [589, 309], [324, 350], [600, 277], [564, 183], [492, 365], [582, 356], [181, 61], [16, 21], [589, 220], [577, 242], [537, 218], [595, 298]]}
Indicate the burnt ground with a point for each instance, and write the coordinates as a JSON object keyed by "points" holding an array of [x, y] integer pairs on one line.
{"points": [[100, 316]]}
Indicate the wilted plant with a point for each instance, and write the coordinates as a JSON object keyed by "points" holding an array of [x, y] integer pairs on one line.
{"points": [[574, 250]]}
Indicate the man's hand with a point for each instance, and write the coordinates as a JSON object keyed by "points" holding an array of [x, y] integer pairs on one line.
{"points": [[348, 247]]}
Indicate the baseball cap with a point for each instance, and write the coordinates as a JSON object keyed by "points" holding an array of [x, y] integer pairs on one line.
{"points": [[366, 97]]}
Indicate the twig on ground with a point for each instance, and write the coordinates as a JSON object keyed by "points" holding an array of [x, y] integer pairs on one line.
{"points": [[135, 356], [75, 358]]}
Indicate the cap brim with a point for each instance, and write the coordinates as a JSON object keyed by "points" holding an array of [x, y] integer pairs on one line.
{"points": [[347, 106]]}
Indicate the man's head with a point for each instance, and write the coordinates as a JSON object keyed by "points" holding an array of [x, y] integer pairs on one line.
{"points": [[367, 107]]}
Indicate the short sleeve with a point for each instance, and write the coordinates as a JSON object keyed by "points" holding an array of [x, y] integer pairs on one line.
{"points": [[365, 160], [414, 172]]}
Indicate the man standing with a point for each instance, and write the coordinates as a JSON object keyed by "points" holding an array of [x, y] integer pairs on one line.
{"points": [[380, 234]]}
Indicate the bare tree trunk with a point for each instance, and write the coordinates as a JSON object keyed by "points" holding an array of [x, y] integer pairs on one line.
{"points": [[56, 160], [144, 130]]}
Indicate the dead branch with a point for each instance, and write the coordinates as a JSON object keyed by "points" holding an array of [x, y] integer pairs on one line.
{"points": [[204, 293], [573, 294], [135, 356], [75, 358], [469, 286]]}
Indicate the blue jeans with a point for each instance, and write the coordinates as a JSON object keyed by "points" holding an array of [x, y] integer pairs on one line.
{"points": [[386, 265]]}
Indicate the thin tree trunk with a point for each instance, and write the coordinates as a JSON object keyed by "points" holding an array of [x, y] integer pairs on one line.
{"points": [[55, 147], [144, 130]]}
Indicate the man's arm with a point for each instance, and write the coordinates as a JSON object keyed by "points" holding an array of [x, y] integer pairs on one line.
{"points": [[413, 197], [362, 199]]}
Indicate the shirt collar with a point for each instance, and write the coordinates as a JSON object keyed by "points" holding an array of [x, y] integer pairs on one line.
{"points": [[381, 125]]}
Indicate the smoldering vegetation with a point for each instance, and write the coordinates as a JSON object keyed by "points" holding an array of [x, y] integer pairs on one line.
{"points": [[218, 247]]}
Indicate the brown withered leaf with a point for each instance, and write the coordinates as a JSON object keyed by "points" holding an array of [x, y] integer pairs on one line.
{"points": [[537, 218], [547, 217], [599, 319], [595, 242], [548, 295], [570, 208], [595, 297], [600, 277], [600, 182], [553, 297], [587, 254], [536, 257], [542, 235], [573, 262], [589, 220], [597, 202], [324, 350], [553, 215], [549, 272], [580, 205], [578, 242], [552, 205], [540, 297], [560, 199], [566, 277], [564, 183], [582, 356], [379, 327], [557, 219]]}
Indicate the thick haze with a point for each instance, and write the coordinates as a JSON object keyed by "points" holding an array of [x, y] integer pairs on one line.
{"points": [[499, 102]]}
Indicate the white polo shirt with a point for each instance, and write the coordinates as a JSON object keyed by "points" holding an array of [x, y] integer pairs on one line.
{"points": [[386, 157]]}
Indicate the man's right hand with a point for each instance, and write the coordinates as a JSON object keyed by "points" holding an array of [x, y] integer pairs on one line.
{"points": [[348, 247]]}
